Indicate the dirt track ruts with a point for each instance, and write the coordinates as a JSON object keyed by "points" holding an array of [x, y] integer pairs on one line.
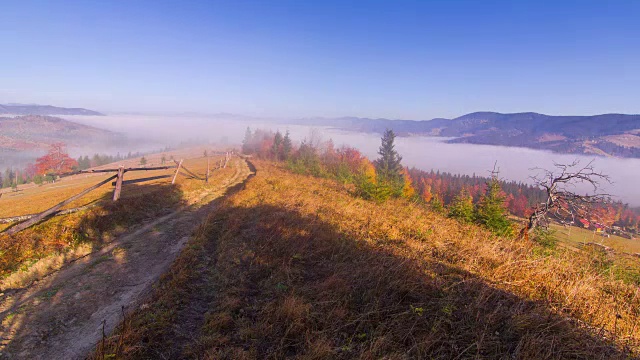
{"points": [[62, 315]]}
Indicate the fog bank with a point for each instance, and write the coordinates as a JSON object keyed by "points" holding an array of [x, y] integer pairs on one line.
{"points": [[425, 153]]}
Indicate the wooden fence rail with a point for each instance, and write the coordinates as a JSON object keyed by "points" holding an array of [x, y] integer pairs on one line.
{"points": [[36, 219], [31, 220], [116, 170], [15, 219], [135, 181]]}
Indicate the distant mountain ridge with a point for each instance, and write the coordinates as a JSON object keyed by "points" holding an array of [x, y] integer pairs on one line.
{"points": [[34, 109], [605, 135], [37, 132]]}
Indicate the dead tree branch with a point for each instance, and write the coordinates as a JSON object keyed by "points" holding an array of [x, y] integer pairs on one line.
{"points": [[562, 200]]}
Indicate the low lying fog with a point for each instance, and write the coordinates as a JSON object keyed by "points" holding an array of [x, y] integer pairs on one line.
{"points": [[425, 153]]}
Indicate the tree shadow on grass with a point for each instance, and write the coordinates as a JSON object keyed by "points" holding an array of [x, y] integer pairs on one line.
{"points": [[290, 285]]}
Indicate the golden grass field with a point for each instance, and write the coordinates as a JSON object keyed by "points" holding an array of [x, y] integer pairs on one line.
{"points": [[576, 236], [34, 199], [297, 267], [99, 224]]}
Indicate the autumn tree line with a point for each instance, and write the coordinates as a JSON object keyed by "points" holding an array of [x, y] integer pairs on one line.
{"points": [[474, 199], [57, 161]]}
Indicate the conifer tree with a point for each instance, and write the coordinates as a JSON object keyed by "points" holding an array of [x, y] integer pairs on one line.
{"points": [[246, 143], [462, 207], [83, 163], [8, 178], [388, 165], [287, 146], [491, 210], [436, 204], [275, 148]]}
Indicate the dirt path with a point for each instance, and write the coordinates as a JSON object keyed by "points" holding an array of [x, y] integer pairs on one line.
{"points": [[63, 315]]}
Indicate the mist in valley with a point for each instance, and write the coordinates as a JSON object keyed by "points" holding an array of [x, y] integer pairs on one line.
{"points": [[150, 132]]}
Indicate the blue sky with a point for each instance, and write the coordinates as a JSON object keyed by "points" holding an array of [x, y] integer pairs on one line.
{"points": [[396, 59]]}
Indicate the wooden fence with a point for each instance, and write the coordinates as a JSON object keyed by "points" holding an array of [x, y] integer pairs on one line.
{"points": [[30, 220]]}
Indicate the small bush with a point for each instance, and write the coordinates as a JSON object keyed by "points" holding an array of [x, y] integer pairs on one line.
{"points": [[545, 237]]}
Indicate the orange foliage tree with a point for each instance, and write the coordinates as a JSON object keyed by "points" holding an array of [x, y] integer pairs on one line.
{"points": [[56, 161], [407, 187]]}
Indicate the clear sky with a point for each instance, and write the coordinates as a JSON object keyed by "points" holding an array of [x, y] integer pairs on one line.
{"points": [[397, 59]]}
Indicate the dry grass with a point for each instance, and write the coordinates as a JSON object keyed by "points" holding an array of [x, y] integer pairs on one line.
{"points": [[35, 199], [56, 238], [577, 236], [294, 266], [95, 226]]}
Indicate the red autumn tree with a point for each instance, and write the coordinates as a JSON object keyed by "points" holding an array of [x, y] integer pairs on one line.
{"points": [[56, 161], [30, 171], [351, 158]]}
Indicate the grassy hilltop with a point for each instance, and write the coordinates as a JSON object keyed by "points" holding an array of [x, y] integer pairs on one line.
{"points": [[296, 266]]}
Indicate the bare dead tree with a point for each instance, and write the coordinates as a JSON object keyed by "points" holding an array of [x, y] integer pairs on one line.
{"points": [[562, 200]]}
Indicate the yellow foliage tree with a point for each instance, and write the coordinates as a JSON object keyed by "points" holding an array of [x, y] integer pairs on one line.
{"points": [[426, 193], [407, 189], [368, 170]]}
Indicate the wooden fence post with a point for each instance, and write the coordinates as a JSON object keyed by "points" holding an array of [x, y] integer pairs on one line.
{"points": [[116, 191], [177, 171], [206, 178], [190, 172]]}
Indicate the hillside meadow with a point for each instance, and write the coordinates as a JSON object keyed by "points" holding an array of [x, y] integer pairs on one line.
{"points": [[69, 236], [296, 266], [32, 198]]}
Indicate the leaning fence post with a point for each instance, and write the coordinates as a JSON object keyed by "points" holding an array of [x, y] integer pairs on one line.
{"points": [[177, 171], [116, 191], [206, 178]]}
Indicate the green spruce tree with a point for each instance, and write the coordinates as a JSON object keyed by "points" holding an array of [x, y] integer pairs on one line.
{"points": [[275, 147], [388, 165], [491, 211], [287, 146], [462, 207], [436, 204]]}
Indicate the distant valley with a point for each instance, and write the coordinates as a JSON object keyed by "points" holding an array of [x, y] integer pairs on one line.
{"points": [[616, 135], [605, 135]]}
